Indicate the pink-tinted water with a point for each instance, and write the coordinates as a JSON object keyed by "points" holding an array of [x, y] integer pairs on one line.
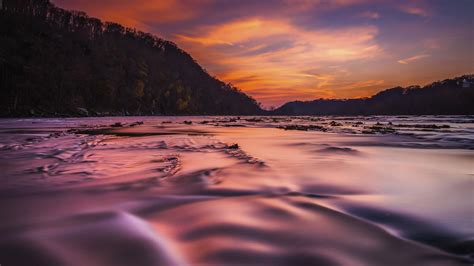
{"points": [[79, 192]]}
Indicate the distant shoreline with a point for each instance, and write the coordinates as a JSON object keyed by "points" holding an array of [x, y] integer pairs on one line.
{"points": [[208, 115]]}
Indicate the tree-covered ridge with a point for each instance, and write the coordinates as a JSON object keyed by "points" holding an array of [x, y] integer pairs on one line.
{"points": [[448, 97], [54, 61]]}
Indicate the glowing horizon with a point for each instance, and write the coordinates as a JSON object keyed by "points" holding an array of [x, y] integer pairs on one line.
{"points": [[285, 50]]}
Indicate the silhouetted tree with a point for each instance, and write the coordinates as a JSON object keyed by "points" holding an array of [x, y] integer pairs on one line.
{"points": [[450, 96], [53, 61]]}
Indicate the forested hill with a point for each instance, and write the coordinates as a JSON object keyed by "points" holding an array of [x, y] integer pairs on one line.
{"points": [[59, 62], [448, 97]]}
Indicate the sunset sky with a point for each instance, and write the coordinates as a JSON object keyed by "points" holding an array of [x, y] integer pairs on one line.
{"points": [[284, 50]]}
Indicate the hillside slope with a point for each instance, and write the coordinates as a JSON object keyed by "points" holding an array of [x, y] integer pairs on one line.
{"points": [[447, 97], [59, 62]]}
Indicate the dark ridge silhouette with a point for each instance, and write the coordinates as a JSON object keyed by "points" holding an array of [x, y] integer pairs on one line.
{"points": [[55, 62], [448, 97]]}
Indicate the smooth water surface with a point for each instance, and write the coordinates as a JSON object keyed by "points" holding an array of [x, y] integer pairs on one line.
{"points": [[293, 191]]}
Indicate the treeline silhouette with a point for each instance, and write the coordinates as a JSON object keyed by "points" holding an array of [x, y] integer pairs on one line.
{"points": [[55, 62], [448, 97], [58, 62]]}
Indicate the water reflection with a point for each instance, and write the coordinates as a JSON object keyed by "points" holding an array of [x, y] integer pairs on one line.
{"points": [[237, 191]]}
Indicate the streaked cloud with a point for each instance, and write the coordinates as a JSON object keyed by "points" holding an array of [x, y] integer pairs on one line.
{"points": [[287, 65], [139, 13], [257, 33], [418, 11], [283, 50], [370, 15], [408, 60]]}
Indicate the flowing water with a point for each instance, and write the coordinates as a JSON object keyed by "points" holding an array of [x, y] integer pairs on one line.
{"points": [[237, 191]]}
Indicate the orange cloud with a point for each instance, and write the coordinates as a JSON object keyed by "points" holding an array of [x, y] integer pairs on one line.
{"points": [[412, 58], [306, 4], [272, 56], [418, 11], [138, 13], [356, 89], [283, 50]]}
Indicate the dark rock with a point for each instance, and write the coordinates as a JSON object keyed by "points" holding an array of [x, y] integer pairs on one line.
{"points": [[432, 126], [82, 111], [136, 123], [303, 127], [117, 124], [381, 129], [254, 119], [234, 146]]}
